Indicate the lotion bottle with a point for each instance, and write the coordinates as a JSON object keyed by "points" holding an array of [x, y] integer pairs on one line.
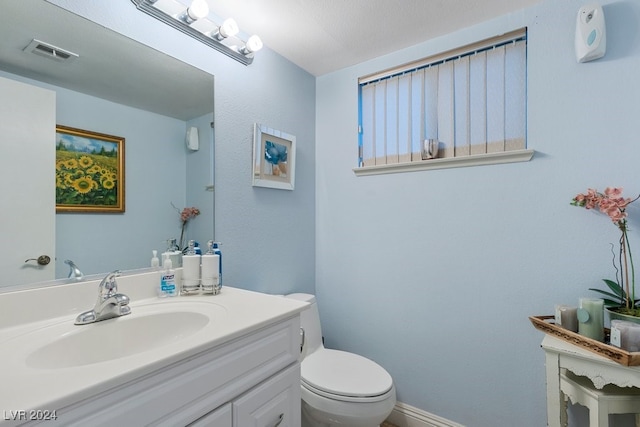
{"points": [[190, 271], [210, 271], [217, 251], [167, 279], [155, 262]]}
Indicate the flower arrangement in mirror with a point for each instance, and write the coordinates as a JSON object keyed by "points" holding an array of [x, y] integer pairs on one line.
{"points": [[621, 295], [185, 215]]}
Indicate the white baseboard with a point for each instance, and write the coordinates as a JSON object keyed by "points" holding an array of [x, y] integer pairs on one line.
{"points": [[404, 415]]}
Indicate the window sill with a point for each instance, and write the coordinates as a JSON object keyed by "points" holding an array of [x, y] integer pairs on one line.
{"points": [[448, 163]]}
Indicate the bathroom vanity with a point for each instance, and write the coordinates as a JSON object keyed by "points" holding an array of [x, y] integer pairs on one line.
{"points": [[225, 360]]}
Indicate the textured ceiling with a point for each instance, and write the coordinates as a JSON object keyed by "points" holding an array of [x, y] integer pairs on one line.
{"points": [[322, 36]]}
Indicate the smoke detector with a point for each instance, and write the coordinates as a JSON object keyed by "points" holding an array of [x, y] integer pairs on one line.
{"points": [[50, 51]]}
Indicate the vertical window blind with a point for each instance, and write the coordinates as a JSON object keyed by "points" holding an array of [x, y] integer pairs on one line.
{"points": [[472, 100]]}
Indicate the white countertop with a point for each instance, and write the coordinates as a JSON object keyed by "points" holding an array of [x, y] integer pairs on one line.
{"points": [[29, 320]]}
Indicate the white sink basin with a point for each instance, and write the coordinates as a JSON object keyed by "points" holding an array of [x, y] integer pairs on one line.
{"points": [[146, 328]]}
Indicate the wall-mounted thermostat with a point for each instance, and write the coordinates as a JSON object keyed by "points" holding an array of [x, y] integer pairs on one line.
{"points": [[591, 37]]}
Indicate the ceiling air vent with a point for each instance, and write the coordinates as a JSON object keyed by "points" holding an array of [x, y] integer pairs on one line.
{"points": [[50, 51]]}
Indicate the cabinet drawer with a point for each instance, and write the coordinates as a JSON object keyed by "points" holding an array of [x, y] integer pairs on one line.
{"points": [[221, 417], [275, 402]]}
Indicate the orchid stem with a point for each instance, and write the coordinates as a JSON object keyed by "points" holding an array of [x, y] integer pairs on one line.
{"points": [[630, 302]]}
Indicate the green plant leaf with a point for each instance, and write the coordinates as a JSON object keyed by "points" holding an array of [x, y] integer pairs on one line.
{"points": [[615, 302], [615, 287], [617, 290]]}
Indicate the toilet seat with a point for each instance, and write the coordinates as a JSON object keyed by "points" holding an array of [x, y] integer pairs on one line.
{"points": [[344, 376]]}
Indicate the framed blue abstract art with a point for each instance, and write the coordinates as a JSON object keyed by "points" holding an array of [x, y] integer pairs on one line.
{"points": [[274, 158]]}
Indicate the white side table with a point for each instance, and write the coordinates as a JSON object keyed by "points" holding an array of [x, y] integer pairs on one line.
{"points": [[560, 355]]}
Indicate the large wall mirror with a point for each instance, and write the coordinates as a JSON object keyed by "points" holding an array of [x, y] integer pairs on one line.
{"points": [[115, 86]]}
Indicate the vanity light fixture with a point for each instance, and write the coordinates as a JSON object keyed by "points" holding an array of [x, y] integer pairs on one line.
{"points": [[193, 20]]}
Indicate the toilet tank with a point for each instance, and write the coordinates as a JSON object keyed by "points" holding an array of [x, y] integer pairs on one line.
{"points": [[310, 323]]}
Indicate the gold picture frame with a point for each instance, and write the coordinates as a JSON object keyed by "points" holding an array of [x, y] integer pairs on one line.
{"points": [[89, 171]]}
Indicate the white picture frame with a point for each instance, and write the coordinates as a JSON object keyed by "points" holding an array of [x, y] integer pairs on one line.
{"points": [[274, 158]]}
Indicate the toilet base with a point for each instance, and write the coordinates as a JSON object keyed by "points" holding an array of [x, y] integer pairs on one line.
{"points": [[308, 421], [318, 411]]}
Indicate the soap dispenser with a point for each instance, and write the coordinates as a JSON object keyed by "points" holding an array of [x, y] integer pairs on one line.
{"points": [[167, 279], [190, 271], [155, 262], [210, 271]]}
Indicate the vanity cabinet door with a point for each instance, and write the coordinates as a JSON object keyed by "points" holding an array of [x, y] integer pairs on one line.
{"points": [[275, 402], [221, 417]]}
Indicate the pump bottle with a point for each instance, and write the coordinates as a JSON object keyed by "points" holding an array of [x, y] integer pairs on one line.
{"points": [[167, 279]]}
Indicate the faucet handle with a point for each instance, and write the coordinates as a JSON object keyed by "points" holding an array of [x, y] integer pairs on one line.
{"points": [[74, 271], [108, 285]]}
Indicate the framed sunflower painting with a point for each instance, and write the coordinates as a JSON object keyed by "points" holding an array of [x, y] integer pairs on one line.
{"points": [[89, 171]]}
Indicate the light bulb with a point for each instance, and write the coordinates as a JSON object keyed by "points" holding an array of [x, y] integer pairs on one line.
{"points": [[254, 44], [228, 28], [198, 10]]}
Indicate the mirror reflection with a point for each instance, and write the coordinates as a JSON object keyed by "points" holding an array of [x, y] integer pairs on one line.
{"points": [[114, 86]]}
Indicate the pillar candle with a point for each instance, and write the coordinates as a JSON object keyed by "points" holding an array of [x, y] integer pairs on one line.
{"points": [[625, 335], [567, 317], [591, 318]]}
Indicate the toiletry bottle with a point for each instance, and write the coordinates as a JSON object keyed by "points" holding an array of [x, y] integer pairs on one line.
{"points": [[217, 251], [190, 271], [174, 253], [210, 271], [168, 279], [155, 262], [169, 250]]}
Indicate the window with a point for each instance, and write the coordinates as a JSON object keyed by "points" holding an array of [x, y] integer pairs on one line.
{"points": [[472, 100]]}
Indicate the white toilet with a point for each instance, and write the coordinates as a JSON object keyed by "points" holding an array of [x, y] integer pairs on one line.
{"points": [[339, 388]]}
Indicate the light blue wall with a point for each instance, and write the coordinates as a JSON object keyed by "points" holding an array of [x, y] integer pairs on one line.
{"points": [[268, 235], [433, 274]]}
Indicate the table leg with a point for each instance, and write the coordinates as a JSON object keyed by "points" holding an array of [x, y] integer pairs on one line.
{"points": [[564, 406], [555, 398]]}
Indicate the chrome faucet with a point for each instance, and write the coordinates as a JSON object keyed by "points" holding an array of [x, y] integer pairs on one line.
{"points": [[110, 303], [74, 271]]}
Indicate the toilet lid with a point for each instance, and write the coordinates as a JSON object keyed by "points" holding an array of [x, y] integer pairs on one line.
{"points": [[345, 374]]}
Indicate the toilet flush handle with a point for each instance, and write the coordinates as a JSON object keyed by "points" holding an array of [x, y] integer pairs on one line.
{"points": [[301, 339]]}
